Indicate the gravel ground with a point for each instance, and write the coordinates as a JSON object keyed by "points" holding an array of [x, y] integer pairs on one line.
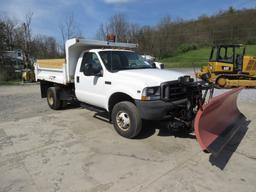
{"points": [[71, 150], [19, 102]]}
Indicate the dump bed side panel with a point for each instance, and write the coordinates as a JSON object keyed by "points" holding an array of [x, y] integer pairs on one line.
{"points": [[51, 63], [55, 75]]}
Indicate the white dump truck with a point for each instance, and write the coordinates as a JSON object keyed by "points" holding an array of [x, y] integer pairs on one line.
{"points": [[112, 77]]}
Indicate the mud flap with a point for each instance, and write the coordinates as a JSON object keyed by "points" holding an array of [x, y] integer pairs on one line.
{"points": [[215, 122]]}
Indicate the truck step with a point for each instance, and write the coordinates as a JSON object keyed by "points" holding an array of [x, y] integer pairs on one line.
{"points": [[92, 108]]}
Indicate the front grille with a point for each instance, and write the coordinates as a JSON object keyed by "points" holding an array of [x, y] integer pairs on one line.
{"points": [[176, 90], [171, 91]]}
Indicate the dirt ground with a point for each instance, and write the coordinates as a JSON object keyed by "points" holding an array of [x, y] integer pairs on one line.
{"points": [[73, 150]]}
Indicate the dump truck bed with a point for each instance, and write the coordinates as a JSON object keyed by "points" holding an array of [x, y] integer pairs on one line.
{"points": [[51, 70]]}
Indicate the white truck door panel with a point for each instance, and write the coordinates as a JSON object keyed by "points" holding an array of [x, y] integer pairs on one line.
{"points": [[90, 89]]}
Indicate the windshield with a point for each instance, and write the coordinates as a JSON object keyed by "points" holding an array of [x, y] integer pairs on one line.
{"points": [[123, 60]]}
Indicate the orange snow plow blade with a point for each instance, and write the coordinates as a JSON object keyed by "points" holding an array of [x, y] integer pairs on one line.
{"points": [[214, 122]]}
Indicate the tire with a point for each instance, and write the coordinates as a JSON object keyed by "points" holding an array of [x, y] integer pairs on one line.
{"points": [[53, 98], [126, 119]]}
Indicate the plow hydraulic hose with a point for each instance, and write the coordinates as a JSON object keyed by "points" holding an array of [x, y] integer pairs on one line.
{"points": [[214, 121]]}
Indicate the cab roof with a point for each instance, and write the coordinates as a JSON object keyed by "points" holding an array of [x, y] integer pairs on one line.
{"points": [[98, 50]]}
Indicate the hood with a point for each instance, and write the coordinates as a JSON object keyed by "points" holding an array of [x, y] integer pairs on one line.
{"points": [[151, 77]]}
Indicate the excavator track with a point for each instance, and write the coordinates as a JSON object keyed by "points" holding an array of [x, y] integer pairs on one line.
{"points": [[235, 80]]}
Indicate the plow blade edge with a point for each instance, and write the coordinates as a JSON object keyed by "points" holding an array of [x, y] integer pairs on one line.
{"points": [[215, 123]]}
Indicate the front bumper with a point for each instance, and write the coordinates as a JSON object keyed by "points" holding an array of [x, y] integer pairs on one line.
{"points": [[158, 110], [178, 100]]}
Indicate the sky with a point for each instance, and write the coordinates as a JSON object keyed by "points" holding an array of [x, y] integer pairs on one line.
{"points": [[89, 14]]}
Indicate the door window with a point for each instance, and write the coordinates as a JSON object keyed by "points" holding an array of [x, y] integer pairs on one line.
{"points": [[213, 54], [93, 60], [226, 54]]}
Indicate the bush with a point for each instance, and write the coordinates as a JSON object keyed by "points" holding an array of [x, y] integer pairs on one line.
{"points": [[166, 55], [185, 48], [251, 42], [7, 71]]}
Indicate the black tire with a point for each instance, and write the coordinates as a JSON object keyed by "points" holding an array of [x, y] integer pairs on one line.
{"points": [[129, 111], [53, 98]]}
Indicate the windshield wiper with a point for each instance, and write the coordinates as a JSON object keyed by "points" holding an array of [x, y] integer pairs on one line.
{"points": [[142, 68]]}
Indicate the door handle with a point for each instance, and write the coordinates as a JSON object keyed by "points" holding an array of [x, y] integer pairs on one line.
{"points": [[77, 79]]}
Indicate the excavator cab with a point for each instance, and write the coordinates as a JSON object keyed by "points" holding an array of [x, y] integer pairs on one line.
{"points": [[229, 67]]}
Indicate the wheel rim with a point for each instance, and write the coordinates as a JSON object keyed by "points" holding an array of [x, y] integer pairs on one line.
{"points": [[50, 98], [123, 120]]}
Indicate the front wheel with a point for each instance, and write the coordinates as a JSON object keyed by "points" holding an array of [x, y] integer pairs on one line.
{"points": [[126, 119]]}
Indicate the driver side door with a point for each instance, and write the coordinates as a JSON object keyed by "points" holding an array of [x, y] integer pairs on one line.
{"points": [[90, 88]]}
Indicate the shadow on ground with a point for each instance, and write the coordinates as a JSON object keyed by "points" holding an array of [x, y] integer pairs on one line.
{"points": [[222, 152], [70, 105], [149, 128]]}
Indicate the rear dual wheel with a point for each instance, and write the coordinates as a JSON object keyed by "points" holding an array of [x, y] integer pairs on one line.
{"points": [[53, 98]]}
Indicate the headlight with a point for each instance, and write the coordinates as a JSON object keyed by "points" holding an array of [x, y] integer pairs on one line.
{"points": [[150, 93]]}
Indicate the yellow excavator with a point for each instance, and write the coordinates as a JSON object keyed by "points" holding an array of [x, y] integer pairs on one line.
{"points": [[229, 66]]}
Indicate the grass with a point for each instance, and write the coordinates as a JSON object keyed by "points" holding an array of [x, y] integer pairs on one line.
{"points": [[251, 50], [197, 57], [12, 82]]}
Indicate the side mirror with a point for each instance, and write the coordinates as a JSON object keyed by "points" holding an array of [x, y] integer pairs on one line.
{"points": [[87, 69], [99, 73], [159, 65], [91, 71]]}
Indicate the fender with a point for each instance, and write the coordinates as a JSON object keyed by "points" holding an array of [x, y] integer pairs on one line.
{"points": [[126, 90]]}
